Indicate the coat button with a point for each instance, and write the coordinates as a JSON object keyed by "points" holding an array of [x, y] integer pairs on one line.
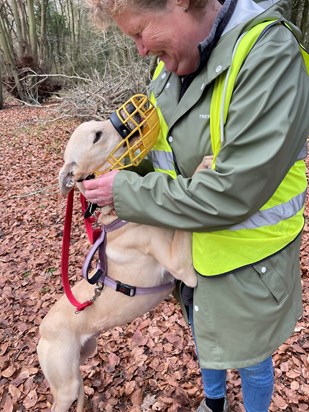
{"points": [[170, 139], [196, 308], [163, 75], [263, 269], [218, 69]]}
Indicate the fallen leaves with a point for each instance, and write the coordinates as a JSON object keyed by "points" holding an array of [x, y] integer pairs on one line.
{"points": [[147, 365]]}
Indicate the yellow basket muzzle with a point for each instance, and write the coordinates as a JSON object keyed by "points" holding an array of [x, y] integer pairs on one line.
{"points": [[137, 122]]}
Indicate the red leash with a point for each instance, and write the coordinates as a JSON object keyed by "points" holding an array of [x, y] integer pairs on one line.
{"points": [[65, 256], [92, 233]]}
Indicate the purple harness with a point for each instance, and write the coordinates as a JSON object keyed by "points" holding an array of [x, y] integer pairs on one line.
{"points": [[101, 277]]}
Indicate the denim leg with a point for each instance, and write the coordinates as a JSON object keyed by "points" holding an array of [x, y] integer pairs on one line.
{"points": [[257, 385], [214, 381], [257, 381]]}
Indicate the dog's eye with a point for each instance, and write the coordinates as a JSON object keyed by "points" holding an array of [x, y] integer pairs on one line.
{"points": [[97, 137]]}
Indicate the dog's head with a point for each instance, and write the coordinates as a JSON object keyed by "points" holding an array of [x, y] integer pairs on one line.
{"points": [[87, 150], [122, 141]]}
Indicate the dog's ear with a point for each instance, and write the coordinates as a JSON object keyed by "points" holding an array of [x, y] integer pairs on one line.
{"points": [[66, 178]]}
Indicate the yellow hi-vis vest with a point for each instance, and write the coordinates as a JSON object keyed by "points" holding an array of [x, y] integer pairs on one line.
{"points": [[280, 219], [161, 154]]}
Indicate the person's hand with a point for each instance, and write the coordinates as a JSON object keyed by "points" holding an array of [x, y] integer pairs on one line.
{"points": [[100, 191]]}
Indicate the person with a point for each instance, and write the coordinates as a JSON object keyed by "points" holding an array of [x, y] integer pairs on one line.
{"points": [[246, 212]]}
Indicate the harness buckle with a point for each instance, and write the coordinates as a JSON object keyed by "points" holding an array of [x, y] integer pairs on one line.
{"points": [[125, 289]]}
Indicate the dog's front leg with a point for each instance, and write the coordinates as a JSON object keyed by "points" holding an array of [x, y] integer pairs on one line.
{"points": [[172, 249], [181, 257]]}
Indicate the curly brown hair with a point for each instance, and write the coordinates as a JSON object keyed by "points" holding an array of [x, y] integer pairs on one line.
{"points": [[103, 10]]}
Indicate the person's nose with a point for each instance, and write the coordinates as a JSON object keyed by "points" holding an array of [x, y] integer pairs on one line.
{"points": [[142, 50]]}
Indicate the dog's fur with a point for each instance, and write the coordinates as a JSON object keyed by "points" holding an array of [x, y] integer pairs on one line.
{"points": [[138, 255]]}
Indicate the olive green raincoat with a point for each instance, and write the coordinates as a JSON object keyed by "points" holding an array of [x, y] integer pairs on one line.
{"points": [[242, 317]]}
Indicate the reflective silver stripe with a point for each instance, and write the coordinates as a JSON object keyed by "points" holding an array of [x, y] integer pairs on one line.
{"points": [[274, 214], [162, 160], [303, 153]]}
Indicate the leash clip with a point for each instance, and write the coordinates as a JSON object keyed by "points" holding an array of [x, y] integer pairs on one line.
{"points": [[97, 291]]}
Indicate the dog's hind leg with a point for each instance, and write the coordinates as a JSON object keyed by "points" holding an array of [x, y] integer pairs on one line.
{"points": [[81, 396], [60, 364], [59, 352]]}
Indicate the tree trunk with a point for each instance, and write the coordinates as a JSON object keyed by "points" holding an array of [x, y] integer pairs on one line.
{"points": [[72, 30], [304, 22], [300, 11], [42, 47], [6, 43], [18, 26], [32, 31], [1, 88], [24, 27]]}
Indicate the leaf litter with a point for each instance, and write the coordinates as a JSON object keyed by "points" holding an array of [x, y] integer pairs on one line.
{"points": [[147, 365]]}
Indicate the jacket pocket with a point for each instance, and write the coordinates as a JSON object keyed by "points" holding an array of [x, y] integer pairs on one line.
{"points": [[273, 281]]}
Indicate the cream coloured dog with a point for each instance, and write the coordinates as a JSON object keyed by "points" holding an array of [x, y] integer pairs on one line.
{"points": [[139, 255]]}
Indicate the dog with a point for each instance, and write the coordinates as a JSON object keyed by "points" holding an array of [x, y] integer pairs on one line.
{"points": [[139, 255]]}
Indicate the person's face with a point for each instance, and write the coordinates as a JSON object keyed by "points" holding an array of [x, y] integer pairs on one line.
{"points": [[171, 34]]}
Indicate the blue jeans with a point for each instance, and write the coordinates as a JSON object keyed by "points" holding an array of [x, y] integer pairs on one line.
{"points": [[257, 382]]}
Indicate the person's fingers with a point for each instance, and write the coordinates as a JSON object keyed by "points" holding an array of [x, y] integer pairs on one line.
{"points": [[90, 184], [100, 191]]}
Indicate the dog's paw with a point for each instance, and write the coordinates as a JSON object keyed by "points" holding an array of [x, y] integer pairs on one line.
{"points": [[190, 281]]}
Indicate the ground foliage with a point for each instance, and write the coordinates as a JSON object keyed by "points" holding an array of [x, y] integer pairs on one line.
{"points": [[149, 364]]}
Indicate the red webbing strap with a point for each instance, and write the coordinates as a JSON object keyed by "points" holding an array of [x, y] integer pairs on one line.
{"points": [[65, 256], [93, 234]]}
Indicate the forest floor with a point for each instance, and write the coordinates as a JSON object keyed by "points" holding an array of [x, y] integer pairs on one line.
{"points": [[149, 364]]}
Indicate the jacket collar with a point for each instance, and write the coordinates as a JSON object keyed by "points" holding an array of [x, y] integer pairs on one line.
{"points": [[219, 61], [206, 47]]}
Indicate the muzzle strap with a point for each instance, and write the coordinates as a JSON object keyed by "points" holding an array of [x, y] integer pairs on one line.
{"points": [[121, 128]]}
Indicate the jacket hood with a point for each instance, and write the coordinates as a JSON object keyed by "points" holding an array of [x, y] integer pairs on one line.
{"points": [[235, 12]]}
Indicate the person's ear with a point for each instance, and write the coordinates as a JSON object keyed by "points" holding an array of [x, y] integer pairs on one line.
{"points": [[185, 4]]}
